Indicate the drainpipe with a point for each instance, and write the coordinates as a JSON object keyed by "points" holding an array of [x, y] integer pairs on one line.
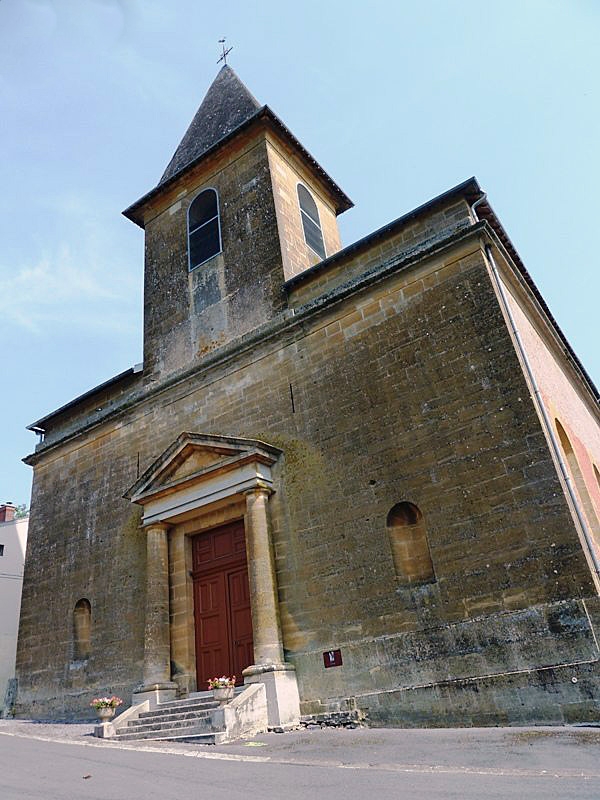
{"points": [[477, 202], [555, 446]]}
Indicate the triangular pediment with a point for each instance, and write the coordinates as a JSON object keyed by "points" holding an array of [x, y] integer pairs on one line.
{"points": [[194, 457], [192, 460]]}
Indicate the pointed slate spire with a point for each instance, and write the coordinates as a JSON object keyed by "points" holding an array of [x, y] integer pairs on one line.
{"points": [[227, 104]]}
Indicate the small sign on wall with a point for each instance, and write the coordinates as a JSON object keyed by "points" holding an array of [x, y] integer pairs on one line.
{"points": [[332, 658]]}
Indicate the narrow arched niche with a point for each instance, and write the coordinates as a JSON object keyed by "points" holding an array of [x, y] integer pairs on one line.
{"points": [[579, 481], [409, 545], [82, 630]]}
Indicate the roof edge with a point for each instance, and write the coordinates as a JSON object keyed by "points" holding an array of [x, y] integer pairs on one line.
{"points": [[470, 189], [37, 426], [502, 241], [344, 202], [266, 333]]}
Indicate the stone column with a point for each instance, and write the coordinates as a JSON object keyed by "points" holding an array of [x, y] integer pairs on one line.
{"points": [[181, 598], [268, 647], [269, 668], [157, 686]]}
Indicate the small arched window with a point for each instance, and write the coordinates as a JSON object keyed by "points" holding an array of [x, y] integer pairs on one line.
{"points": [[204, 228], [310, 221], [409, 545], [82, 630]]}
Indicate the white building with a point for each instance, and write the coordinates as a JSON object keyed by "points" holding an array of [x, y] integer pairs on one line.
{"points": [[13, 542]]}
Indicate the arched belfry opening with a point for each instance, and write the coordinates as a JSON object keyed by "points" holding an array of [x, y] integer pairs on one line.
{"points": [[409, 545]]}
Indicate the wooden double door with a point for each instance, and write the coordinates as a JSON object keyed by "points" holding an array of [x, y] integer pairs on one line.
{"points": [[223, 621]]}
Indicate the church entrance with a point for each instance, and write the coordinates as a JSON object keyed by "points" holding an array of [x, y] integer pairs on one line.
{"points": [[223, 624]]}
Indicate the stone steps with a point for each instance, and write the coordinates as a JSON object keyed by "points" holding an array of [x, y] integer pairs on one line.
{"points": [[166, 729], [201, 699], [190, 718], [160, 722], [173, 714], [177, 734]]}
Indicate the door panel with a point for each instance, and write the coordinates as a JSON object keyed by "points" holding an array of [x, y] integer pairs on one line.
{"points": [[212, 644], [221, 604], [241, 620]]}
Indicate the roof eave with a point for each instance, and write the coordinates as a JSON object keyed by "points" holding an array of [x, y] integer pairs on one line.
{"points": [[487, 213], [39, 424], [469, 190], [343, 202]]}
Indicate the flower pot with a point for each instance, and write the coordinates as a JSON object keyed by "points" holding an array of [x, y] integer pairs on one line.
{"points": [[223, 694], [105, 714]]}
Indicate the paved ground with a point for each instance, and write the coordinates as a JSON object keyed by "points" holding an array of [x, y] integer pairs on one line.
{"points": [[64, 762]]}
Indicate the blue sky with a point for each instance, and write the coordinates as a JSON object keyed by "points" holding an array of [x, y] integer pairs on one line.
{"points": [[398, 101]]}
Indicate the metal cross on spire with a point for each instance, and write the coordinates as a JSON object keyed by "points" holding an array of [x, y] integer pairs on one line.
{"points": [[225, 52]]}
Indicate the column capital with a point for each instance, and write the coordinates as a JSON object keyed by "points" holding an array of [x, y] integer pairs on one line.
{"points": [[260, 489], [156, 526]]}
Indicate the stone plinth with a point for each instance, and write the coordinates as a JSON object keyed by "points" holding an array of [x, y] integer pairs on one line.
{"points": [[281, 687]]}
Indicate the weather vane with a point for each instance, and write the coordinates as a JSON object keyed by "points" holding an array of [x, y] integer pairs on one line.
{"points": [[225, 52]]}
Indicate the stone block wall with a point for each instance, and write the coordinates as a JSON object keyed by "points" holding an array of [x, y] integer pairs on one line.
{"points": [[86, 544], [409, 390], [188, 314], [402, 239]]}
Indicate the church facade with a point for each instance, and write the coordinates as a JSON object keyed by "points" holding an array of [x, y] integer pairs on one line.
{"points": [[367, 477]]}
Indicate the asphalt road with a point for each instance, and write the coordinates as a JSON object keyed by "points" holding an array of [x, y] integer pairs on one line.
{"points": [[496, 763]]}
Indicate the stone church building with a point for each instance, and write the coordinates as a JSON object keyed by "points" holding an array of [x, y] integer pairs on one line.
{"points": [[364, 477]]}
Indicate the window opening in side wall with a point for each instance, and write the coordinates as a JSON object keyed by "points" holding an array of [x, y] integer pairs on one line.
{"points": [[204, 228], [82, 630], [409, 545], [311, 223]]}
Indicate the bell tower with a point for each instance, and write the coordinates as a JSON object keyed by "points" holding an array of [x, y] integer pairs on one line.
{"points": [[240, 209]]}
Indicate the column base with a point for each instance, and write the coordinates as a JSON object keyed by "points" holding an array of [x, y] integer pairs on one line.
{"points": [[154, 693], [105, 730], [186, 683], [281, 687]]}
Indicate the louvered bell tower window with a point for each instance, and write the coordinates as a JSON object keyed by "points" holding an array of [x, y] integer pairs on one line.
{"points": [[204, 228], [310, 221]]}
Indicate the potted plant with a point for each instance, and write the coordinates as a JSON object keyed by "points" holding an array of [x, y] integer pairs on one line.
{"points": [[105, 707], [222, 688]]}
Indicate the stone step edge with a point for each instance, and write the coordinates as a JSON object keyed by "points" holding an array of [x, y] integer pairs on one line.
{"points": [[171, 735], [164, 726], [174, 704], [163, 715], [181, 706], [134, 723], [198, 697]]}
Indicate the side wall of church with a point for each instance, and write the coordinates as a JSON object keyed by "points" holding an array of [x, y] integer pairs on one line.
{"points": [[568, 405], [409, 391], [85, 544]]}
